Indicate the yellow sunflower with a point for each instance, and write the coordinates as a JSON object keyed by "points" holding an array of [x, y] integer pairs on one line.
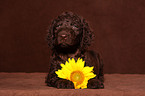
{"points": [[76, 72]]}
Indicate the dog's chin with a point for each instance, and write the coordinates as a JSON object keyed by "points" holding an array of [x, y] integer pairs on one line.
{"points": [[63, 45], [65, 48]]}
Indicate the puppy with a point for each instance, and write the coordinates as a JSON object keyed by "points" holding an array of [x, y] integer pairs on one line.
{"points": [[69, 37]]}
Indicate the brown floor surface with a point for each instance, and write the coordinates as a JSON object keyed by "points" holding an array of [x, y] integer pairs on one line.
{"points": [[32, 84]]}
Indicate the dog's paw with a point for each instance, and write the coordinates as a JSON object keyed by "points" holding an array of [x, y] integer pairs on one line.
{"points": [[95, 84], [64, 84]]}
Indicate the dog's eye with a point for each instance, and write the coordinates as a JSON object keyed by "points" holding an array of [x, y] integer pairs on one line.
{"points": [[59, 25], [74, 24]]}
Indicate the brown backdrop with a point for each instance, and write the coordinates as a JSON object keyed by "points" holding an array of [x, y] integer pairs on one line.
{"points": [[119, 27]]}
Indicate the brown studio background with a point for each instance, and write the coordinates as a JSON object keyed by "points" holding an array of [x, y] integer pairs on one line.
{"points": [[119, 27]]}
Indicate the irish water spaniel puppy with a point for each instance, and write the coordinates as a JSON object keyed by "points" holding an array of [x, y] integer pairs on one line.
{"points": [[68, 37]]}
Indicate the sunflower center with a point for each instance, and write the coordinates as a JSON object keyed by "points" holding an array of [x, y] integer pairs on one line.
{"points": [[77, 76]]}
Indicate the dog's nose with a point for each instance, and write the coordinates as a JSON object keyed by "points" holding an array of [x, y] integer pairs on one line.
{"points": [[64, 36]]}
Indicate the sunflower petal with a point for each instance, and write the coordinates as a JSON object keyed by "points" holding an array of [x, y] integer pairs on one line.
{"points": [[60, 74], [66, 72], [80, 64], [90, 75], [75, 85], [68, 66], [62, 65], [72, 63], [87, 69]]}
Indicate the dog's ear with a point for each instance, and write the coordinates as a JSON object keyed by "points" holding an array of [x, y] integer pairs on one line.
{"points": [[87, 35], [50, 35]]}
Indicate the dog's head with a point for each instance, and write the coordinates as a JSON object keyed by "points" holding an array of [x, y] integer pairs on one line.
{"points": [[69, 30]]}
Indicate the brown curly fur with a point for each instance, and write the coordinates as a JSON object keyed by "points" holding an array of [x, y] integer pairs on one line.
{"points": [[82, 39]]}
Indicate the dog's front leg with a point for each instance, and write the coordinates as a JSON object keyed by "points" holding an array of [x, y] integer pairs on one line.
{"points": [[53, 80], [64, 84], [95, 84]]}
